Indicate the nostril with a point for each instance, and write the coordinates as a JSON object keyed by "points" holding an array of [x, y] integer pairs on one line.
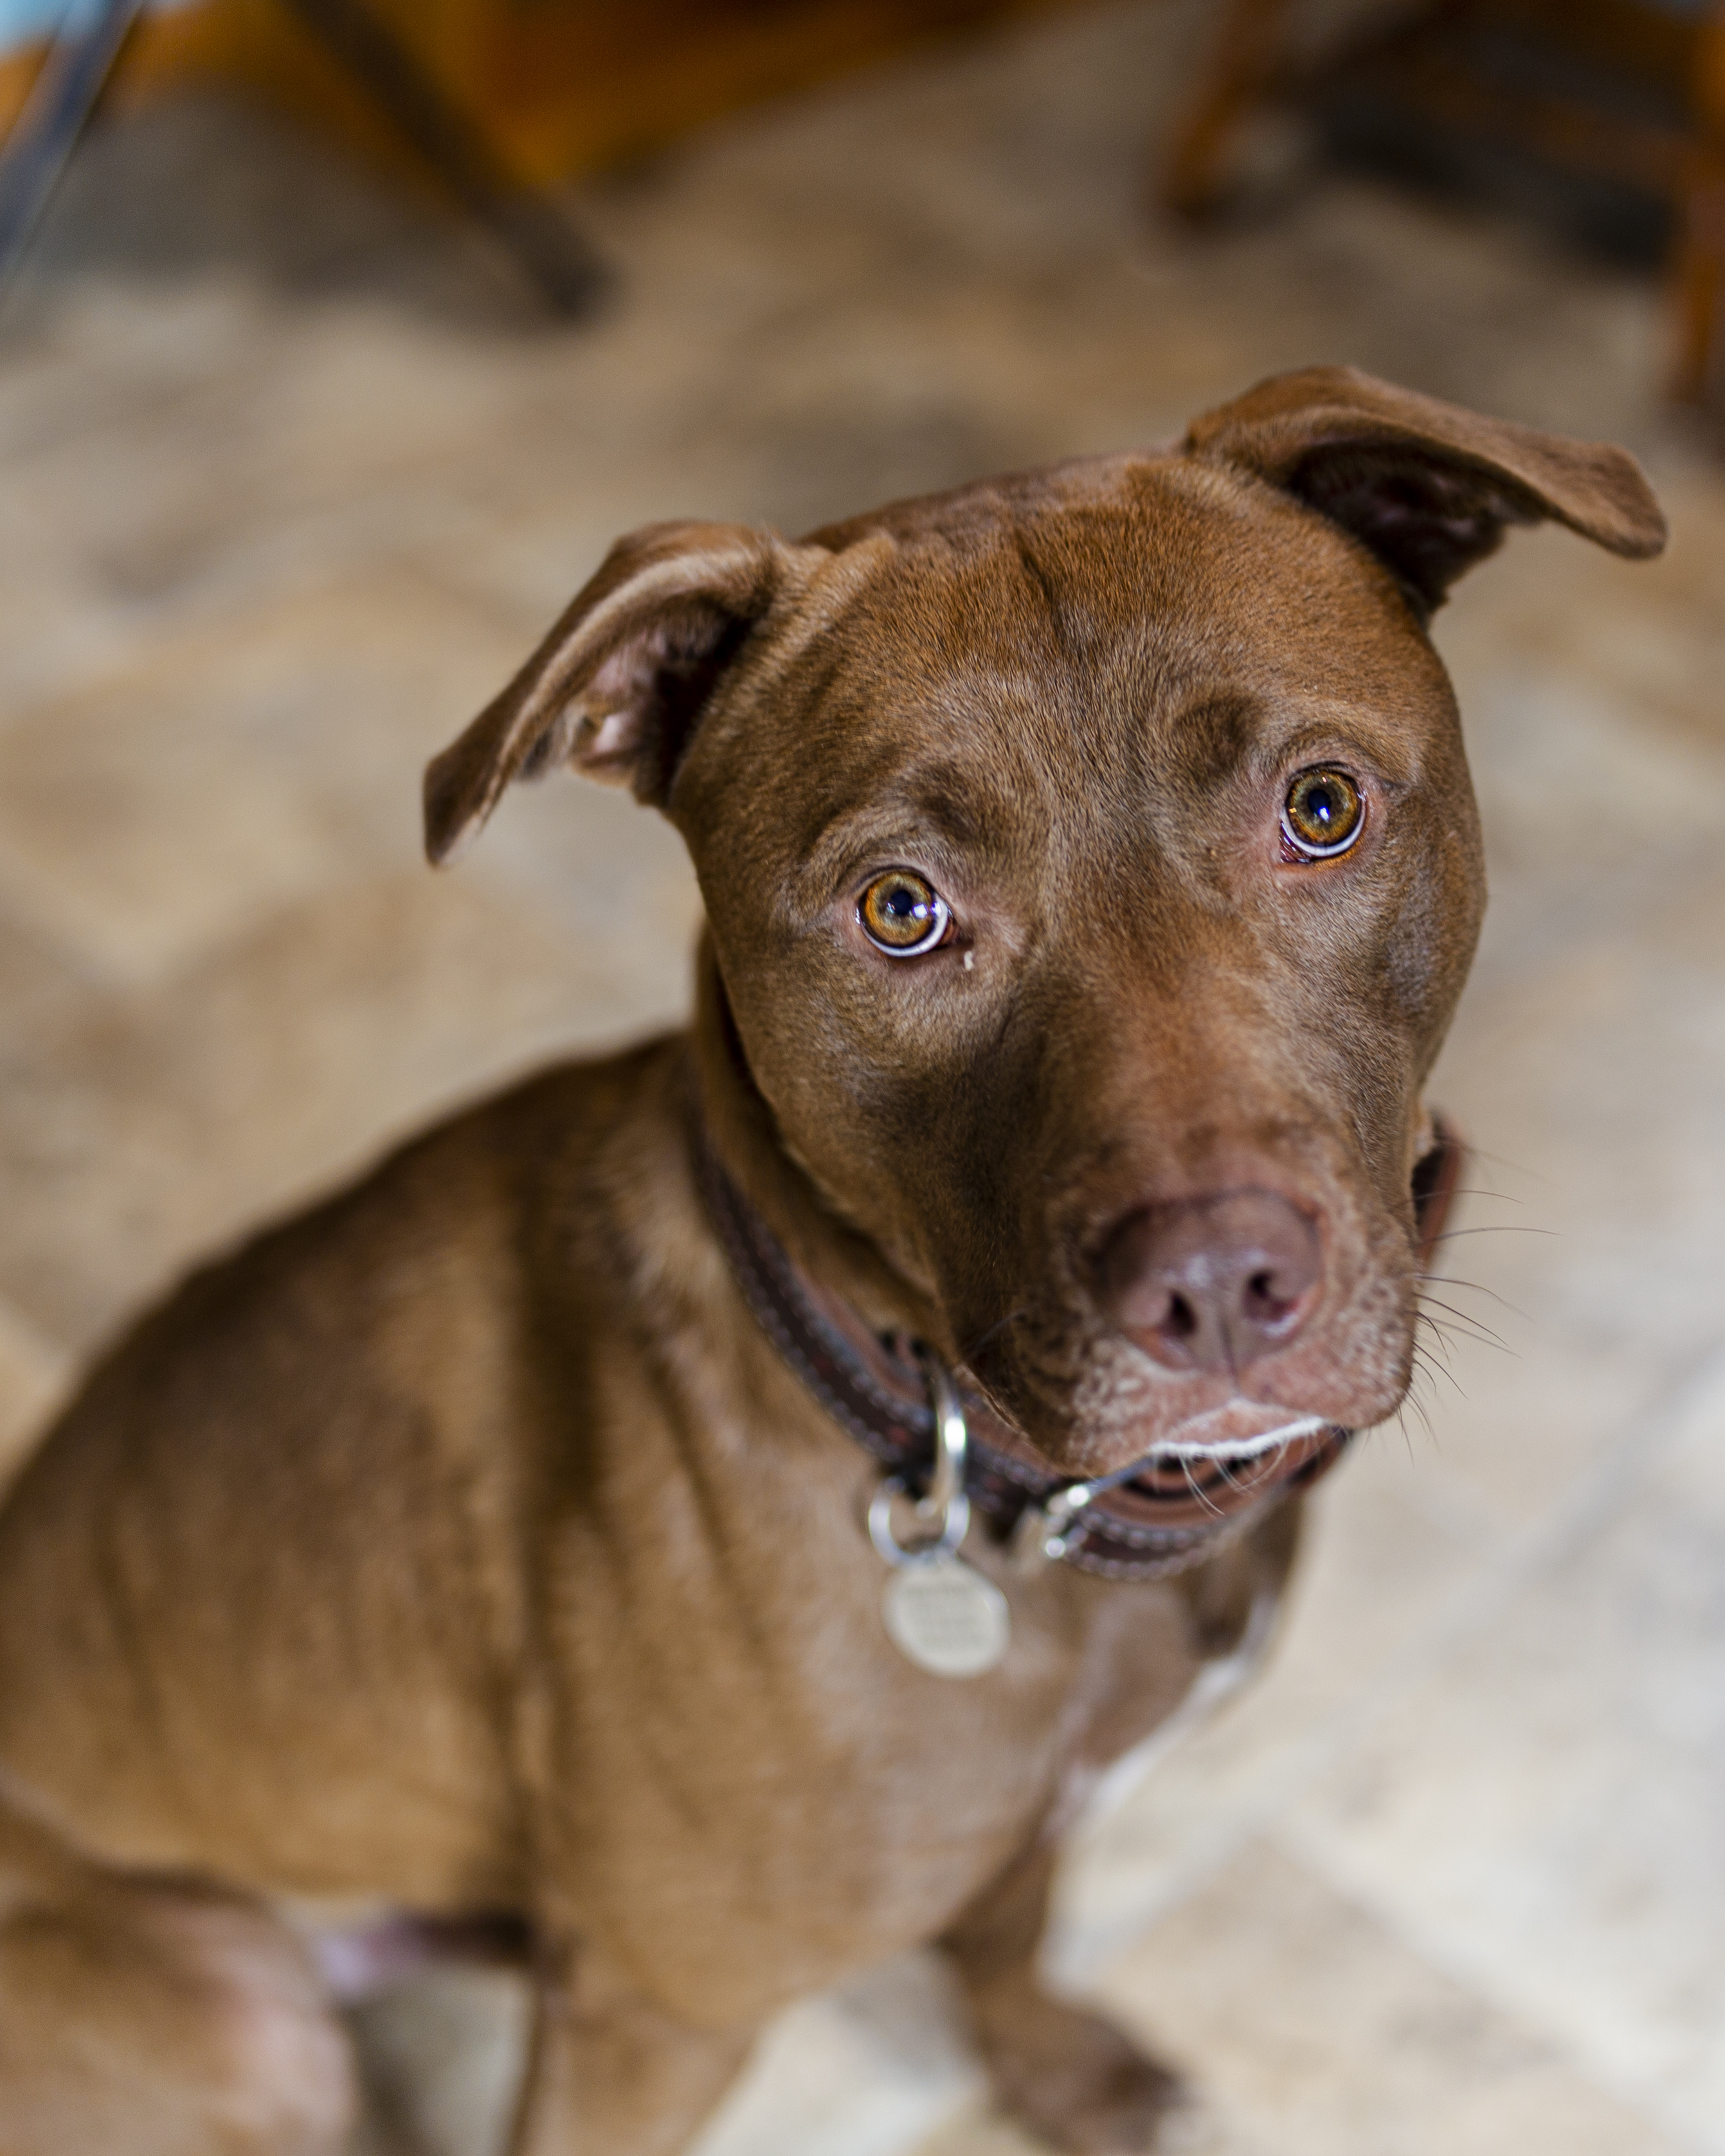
{"points": [[1264, 1298], [1211, 1283]]}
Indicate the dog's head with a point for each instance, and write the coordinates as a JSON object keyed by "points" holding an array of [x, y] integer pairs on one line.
{"points": [[1092, 870]]}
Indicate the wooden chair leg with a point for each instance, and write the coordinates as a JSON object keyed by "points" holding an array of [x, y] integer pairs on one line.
{"points": [[1699, 373], [1246, 63]]}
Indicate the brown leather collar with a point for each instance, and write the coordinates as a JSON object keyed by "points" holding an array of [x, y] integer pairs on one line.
{"points": [[1170, 1515]]}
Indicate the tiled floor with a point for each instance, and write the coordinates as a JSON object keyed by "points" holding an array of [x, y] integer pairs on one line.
{"points": [[293, 480]]}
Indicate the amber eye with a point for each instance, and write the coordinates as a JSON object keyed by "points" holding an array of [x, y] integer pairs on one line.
{"points": [[902, 915], [1324, 812]]}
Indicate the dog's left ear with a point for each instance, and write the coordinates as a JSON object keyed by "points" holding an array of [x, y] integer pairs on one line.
{"points": [[618, 685], [1427, 486]]}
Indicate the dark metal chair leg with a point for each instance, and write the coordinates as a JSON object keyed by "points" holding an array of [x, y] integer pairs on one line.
{"points": [[45, 133]]}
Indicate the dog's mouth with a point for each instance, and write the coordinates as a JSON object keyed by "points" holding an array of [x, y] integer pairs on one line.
{"points": [[1233, 1442], [1190, 1485], [1108, 1409]]}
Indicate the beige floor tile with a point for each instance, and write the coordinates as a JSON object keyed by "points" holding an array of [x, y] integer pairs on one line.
{"points": [[1585, 1065], [204, 489], [1646, 640], [160, 1125], [607, 877], [443, 2059], [979, 2132], [172, 807], [1543, 1811], [40, 980], [1381, 1571], [1594, 817], [34, 1376], [865, 2071], [1596, 1079], [1315, 2030]]}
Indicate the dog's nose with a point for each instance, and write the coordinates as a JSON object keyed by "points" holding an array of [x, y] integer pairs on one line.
{"points": [[1212, 1283]]}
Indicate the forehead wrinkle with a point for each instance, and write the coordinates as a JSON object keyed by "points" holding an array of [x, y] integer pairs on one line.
{"points": [[946, 808], [1244, 732], [836, 588], [1206, 740], [932, 712], [1393, 748], [804, 642], [1047, 613]]}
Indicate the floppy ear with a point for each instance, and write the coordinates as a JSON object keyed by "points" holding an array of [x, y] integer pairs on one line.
{"points": [[1429, 487], [617, 685]]}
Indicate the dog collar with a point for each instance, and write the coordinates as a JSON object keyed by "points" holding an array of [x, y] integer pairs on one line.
{"points": [[1162, 1518]]}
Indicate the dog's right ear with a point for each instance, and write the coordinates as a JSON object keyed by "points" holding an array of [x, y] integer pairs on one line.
{"points": [[617, 685]]}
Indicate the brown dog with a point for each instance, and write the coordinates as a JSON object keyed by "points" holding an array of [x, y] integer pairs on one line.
{"points": [[1092, 870]]}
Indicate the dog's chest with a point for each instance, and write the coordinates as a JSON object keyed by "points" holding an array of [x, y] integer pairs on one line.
{"points": [[756, 1789]]}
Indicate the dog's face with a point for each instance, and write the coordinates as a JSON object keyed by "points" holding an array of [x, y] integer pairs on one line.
{"points": [[1013, 917], [1092, 868]]}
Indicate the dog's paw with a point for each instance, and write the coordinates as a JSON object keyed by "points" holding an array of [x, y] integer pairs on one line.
{"points": [[1079, 2086]]}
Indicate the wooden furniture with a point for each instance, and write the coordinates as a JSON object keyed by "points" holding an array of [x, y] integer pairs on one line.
{"points": [[492, 100], [1631, 91], [1700, 371], [533, 230], [556, 87]]}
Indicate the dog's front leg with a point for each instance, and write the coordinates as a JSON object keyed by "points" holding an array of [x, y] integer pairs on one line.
{"points": [[611, 2074], [1069, 2076]]}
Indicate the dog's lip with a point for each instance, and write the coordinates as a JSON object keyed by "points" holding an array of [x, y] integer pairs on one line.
{"points": [[1239, 1430], [1287, 1431]]}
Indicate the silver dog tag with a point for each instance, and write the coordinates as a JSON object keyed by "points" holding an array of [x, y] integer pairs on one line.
{"points": [[946, 1618], [939, 1614]]}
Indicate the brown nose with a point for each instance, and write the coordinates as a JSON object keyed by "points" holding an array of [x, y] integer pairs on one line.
{"points": [[1212, 1283]]}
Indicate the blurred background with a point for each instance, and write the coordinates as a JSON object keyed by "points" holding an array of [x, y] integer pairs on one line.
{"points": [[352, 336]]}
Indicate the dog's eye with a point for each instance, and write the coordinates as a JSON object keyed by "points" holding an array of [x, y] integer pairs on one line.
{"points": [[903, 916], [1324, 812]]}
